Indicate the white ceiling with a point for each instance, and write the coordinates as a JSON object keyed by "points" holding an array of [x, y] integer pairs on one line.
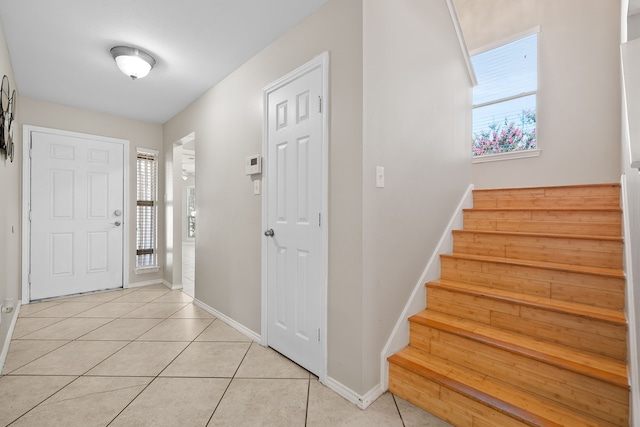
{"points": [[60, 48]]}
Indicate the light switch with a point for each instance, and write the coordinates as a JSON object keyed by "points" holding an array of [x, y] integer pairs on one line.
{"points": [[380, 176], [256, 186]]}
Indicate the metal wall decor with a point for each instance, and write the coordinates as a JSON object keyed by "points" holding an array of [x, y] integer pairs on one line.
{"points": [[7, 114]]}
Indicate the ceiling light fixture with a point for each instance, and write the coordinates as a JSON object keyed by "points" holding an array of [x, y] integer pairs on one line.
{"points": [[135, 63]]}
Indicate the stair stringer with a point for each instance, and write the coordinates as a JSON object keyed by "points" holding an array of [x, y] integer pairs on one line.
{"points": [[399, 337]]}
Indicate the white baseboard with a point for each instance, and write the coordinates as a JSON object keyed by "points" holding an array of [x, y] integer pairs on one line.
{"points": [[399, 337], [7, 340], [361, 401], [144, 283], [229, 321]]}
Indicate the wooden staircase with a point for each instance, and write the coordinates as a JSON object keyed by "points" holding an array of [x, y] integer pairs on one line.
{"points": [[525, 326]]}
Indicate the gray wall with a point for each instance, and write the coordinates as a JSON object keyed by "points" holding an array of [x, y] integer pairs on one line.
{"points": [[578, 88], [417, 103]]}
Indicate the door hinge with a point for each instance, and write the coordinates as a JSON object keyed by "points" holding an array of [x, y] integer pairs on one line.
{"points": [[29, 278], [29, 215], [319, 104], [318, 334], [320, 220]]}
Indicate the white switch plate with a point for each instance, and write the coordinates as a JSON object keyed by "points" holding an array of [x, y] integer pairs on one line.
{"points": [[256, 186], [380, 176]]}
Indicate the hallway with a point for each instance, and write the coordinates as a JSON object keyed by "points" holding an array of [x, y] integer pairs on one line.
{"points": [[149, 356]]}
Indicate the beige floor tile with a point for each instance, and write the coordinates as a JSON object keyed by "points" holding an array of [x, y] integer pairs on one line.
{"points": [[262, 402], [22, 352], [111, 309], [155, 310], [74, 358], [175, 296], [67, 329], [34, 307], [264, 362], [192, 401], [220, 331], [176, 330], [88, 401], [140, 296], [326, 408], [208, 359], [65, 309], [19, 394], [121, 330], [416, 417], [191, 311], [27, 325], [139, 359]]}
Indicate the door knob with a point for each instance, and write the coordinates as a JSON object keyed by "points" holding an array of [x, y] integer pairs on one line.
{"points": [[269, 232], [117, 223], [118, 212]]}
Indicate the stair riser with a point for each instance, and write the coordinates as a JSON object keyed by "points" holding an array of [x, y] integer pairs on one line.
{"points": [[602, 291], [551, 198], [598, 223], [456, 408], [587, 395], [585, 252], [587, 334]]}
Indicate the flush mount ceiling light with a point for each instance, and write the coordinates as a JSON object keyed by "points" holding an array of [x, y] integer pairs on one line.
{"points": [[135, 63]]}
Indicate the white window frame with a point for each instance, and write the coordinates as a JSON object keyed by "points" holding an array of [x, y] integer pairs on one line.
{"points": [[511, 155], [156, 266]]}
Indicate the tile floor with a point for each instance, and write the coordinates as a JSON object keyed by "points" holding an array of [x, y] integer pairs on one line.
{"points": [[149, 357]]}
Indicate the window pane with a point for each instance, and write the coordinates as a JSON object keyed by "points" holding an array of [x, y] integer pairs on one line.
{"points": [[506, 71], [147, 182], [505, 126]]}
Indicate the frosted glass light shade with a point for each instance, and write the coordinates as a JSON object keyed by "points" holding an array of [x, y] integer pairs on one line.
{"points": [[133, 62]]}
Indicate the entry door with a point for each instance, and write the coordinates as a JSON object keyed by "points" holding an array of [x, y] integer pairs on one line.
{"points": [[294, 195], [76, 215]]}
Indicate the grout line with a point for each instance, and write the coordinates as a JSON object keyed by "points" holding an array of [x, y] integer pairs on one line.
{"points": [[306, 412], [229, 385], [393, 396]]}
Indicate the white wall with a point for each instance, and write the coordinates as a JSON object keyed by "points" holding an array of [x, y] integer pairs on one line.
{"points": [[10, 213], [417, 118], [227, 121], [578, 88], [140, 134]]}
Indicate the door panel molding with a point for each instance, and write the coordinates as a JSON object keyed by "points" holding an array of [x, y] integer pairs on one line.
{"points": [[302, 109], [27, 131]]}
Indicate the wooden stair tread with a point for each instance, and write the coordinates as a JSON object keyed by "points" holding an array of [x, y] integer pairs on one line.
{"points": [[545, 235], [599, 367], [600, 313], [542, 209], [600, 271], [557, 187], [493, 393]]}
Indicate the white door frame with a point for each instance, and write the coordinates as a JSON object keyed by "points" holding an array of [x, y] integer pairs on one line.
{"points": [[26, 198], [321, 60]]}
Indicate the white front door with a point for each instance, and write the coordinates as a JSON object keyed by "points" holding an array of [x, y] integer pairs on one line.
{"points": [[77, 215], [294, 202]]}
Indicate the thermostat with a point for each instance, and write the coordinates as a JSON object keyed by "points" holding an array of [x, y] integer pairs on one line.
{"points": [[253, 165]]}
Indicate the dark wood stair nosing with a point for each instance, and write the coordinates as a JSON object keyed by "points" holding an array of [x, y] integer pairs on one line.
{"points": [[569, 365], [542, 209], [512, 300], [479, 396], [598, 185]]}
